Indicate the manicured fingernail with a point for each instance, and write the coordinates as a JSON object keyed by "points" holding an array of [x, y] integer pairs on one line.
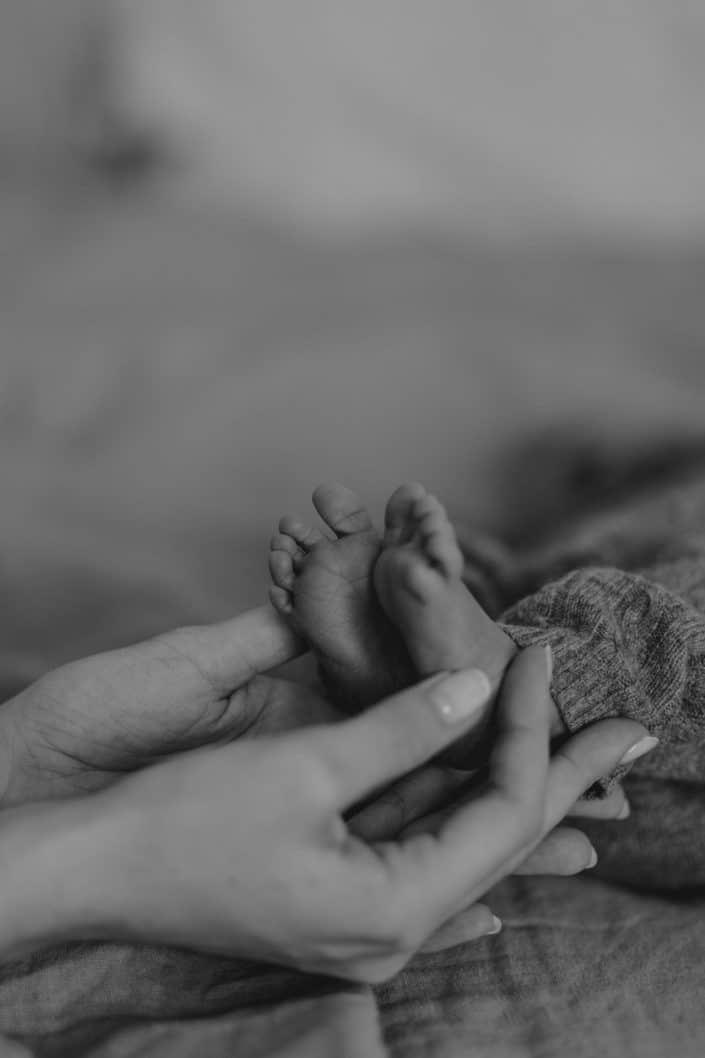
{"points": [[639, 749], [456, 697], [549, 663], [592, 862], [496, 927], [625, 811]]}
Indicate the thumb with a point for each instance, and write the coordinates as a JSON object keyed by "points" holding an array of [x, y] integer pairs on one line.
{"points": [[232, 652], [402, 733]]}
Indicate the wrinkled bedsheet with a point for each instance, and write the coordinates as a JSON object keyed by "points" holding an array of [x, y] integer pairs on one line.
{"points": [[171, 381], [580, 968]]}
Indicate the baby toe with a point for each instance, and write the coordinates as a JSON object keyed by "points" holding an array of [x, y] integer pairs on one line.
{"points": [[283, 542], [280, 600], [304, 535], [341, 510], [281, 569]]}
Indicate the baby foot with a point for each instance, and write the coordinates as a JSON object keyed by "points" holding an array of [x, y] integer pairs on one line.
{"points": [[324, 587], [417, 580]]}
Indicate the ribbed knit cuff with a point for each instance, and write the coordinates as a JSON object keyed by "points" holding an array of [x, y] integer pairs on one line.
{"points": [[589, 676]]}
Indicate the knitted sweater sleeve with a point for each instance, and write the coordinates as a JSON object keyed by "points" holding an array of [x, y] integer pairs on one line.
{"points": [[628, 644]]}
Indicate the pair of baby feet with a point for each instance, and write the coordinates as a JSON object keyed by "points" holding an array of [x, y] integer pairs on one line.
{"points": [[381, 612]]}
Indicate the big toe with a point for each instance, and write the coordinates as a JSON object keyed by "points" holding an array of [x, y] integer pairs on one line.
{"points": [[341, 510]]}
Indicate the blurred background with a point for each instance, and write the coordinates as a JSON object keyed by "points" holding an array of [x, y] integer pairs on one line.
{"points": [[249, 246]]}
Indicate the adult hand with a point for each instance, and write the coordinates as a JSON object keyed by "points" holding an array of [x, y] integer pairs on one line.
{"points": [[244, 849], [83, 725], [436, 788]]}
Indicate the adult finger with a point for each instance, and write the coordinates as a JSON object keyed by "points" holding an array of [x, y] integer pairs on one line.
{"points": [[614, 806], [519, 762], [470, 924], [588, 756], [585, 758], [396, 807], [493, 828], [398, 736], [564, 851], [230, 653]]}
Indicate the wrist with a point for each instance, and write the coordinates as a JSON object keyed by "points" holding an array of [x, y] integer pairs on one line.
{"points": [[57, 874]]}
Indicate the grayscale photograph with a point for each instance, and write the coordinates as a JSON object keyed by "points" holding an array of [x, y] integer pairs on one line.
{"points": [[352, 535]]}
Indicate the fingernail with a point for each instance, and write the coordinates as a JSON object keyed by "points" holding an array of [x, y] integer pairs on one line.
{"points": [[496, 927], [456, 697], [592, 862], [625, 811], [549, 663], [639, 749]]}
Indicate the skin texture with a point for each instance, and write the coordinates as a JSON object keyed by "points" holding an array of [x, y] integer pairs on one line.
{"points": [[85, 725], [360, 789], [162, 856], [380, 612]]}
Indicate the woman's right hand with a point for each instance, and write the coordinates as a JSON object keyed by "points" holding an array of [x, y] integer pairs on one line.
{"points": [[244, 850]]}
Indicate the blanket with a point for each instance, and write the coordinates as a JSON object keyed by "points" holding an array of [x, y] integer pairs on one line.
{"points": [[580, 967]]}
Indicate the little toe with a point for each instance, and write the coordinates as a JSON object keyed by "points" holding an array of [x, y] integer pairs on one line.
{"points": [[281, 569], [398, 516], [303, 535], [280, 600], [341, 510]]}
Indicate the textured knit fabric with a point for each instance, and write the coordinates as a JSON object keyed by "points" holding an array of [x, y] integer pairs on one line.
{"points": [[627, 629]]}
